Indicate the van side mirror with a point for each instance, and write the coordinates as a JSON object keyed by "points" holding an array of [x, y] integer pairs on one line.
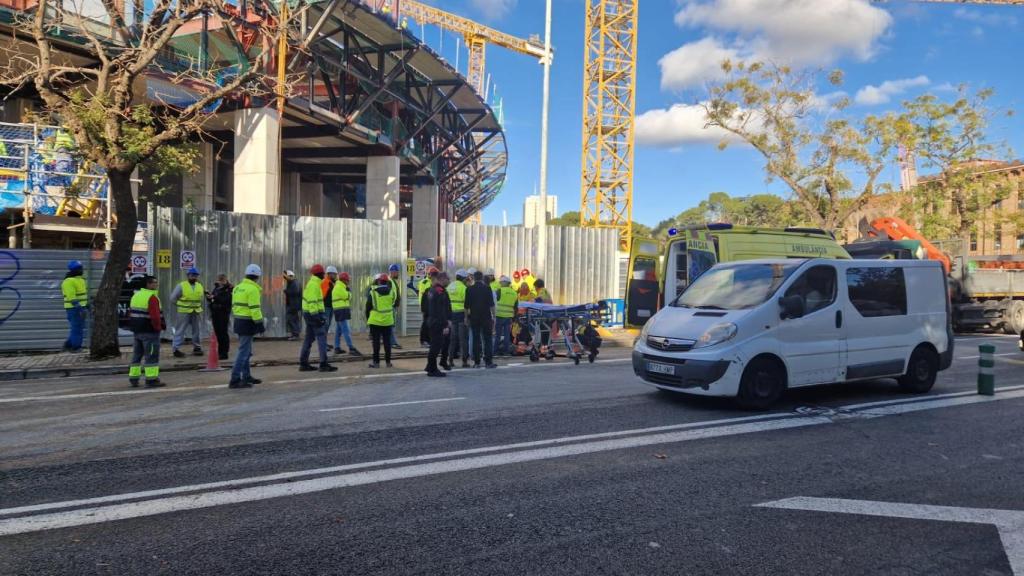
{"points": [[792, 307]]}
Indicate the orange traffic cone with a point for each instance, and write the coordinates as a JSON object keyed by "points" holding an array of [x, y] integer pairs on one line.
{"points": [[213, 360]]}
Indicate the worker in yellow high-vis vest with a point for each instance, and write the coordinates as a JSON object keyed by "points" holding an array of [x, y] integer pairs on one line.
{"points": [[380, 317], [247, 308], [506, 302], [188, 296], [459, 345], [146, 321], [341, 303], [76, 305], [315, 314]]}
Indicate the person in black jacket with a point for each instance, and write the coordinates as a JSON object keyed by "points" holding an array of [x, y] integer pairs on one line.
{"points": [[220, 313], [292, 305], [439, 316], [480, 316]]}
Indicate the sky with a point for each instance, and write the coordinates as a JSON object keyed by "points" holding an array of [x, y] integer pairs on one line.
{"points": [[889, 52]]}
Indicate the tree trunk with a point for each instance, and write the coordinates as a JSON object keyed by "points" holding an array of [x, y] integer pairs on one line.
{"points": [[104, 331]]}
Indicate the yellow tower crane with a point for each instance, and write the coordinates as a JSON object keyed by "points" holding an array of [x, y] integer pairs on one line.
{"points": [[609, 114], [477, 37]]}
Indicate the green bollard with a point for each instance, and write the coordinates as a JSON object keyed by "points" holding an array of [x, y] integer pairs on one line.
{"points": [[986, 380]]}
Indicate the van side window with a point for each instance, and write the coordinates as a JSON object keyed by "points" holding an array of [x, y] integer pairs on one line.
{"points": [[877, 292], [817, 286]]}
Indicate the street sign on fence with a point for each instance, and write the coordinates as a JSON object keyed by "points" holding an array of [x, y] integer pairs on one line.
{"points": [[187, 259]]}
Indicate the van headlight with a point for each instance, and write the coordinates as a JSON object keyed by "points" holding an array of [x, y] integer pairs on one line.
{"points": [[716, 335], [645, 330]]}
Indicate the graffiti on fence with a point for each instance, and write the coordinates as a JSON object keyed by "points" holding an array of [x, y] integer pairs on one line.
{"points": [[10, 297]]}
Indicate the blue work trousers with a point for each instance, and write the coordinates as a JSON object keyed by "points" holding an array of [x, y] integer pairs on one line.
{"points": [[240, 370], [76, 318]]}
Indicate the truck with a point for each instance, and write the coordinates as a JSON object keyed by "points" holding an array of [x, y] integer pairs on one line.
{"points": [[986, 292]]}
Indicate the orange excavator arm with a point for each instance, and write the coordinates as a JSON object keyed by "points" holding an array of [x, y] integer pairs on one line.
{"points": [[897, 229]]}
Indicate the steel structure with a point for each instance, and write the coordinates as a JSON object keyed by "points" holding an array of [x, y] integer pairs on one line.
{"points": [[609, 110], [357, 65]]}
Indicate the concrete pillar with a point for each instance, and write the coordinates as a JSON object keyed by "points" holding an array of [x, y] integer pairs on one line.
{"points": [[290, 184], [425, 224], [311, 199], [331, 206], [197, 188], [382, 179], [257, 174]]}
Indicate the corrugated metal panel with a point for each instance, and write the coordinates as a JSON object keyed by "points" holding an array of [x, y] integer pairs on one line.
{"points": [[582, 264], [32, 313], [226, 242]]}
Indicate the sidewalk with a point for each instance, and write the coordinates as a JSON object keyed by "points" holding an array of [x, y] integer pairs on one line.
{"points": [[266, 352]]}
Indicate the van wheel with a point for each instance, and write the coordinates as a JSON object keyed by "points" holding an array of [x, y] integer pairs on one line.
{"points": [[762, 384], [1015, 316], [921, 371]]}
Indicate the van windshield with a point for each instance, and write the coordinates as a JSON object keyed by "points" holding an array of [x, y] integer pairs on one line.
{"points": [[736, 286]]}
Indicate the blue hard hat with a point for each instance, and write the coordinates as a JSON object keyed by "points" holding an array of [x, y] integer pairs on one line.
{"points": [[193, 270], [394, 268], [74, 265]]}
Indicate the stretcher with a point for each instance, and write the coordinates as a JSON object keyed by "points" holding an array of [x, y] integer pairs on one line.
{"points": [[549, 330]]}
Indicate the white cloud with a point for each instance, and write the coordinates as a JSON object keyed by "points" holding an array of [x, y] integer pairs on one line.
{"points": [[494, 9], [794, 31], [883, 93], [985, 18], [681, 124], [694, 63]]}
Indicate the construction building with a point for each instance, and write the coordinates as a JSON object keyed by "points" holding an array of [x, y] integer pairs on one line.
{"points": [[380, 127]]}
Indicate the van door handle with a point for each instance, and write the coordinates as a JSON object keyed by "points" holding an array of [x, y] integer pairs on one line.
{"points": [[839, 318]]}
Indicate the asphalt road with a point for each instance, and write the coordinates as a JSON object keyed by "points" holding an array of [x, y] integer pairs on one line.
{"points": [[529, 469]]}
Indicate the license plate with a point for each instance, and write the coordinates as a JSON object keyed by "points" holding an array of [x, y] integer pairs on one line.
{"points": [[661, 368]]}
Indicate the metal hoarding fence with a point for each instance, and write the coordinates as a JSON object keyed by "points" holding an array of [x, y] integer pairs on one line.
{"points": [[582, 264], [226, 242], [32, 313]]}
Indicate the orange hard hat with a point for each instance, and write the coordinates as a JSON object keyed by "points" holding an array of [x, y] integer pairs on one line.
{"points": [[316, 269]]}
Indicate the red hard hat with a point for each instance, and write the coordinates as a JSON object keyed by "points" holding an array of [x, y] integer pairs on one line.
{"points": [[344, 277], [383, 278], [526, 272], [516, 275], [432, 270], [316, 269]]}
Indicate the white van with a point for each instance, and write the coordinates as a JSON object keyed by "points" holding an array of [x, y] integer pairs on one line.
{"points": [[754, 328]]}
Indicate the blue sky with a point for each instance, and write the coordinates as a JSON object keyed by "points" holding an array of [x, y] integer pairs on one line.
{"points": [[889, 52]]}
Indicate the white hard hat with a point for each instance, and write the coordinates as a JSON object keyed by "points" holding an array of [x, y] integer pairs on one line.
{"points": [[460, 273], [289, 273], [332, 270], [471, 271], [253, 270], [505, 280], [489, 272]]}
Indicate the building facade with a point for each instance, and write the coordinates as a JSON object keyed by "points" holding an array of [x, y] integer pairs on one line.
{"points": [[532, 213]]}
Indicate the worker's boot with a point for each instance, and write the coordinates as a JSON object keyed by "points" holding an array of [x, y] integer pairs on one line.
{"points": [[154, 383], [307, 368], [178, 353], [325, 367], [354, 352], [251, 381], [134, 382], [197, 351]]}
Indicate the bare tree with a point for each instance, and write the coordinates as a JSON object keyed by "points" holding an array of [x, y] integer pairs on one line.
{"points": [[830, 163], [103, 104]]}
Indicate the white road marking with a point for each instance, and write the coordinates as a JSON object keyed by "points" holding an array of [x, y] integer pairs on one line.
{"points": [[99, 394], [391, 404], [1009, 522], [550, 449]]}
